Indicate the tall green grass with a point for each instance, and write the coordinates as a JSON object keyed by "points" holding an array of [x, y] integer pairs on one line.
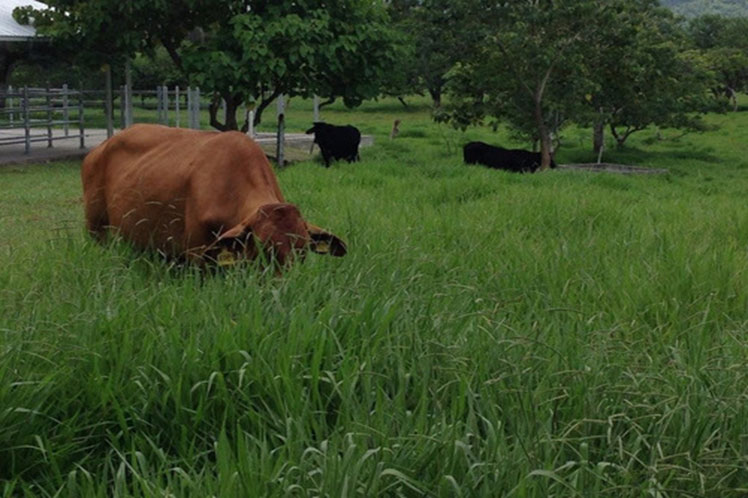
{"points": [[488, 334]]}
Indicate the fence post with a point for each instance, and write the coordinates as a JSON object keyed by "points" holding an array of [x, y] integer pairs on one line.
{"points": [[189, 107], [196, 103], [27, 130], [48, 101], [80, 116], [280, 137], [108, 101], [225, 111], [128, 106], [251, 121], [128, 94], [10, 103], [158, 104], [65, 115], [176, 106], [316, 108], [165, 106], [122, 121]]}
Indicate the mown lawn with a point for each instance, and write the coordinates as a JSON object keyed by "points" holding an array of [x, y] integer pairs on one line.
{"points": [[488, 334]]}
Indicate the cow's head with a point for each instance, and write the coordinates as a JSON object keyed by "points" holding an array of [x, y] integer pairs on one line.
{"points": [[278, 232], [315, 127], [319, 127]]}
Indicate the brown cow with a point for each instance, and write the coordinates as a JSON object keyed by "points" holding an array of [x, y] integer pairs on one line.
{"points": [[194, 194]]}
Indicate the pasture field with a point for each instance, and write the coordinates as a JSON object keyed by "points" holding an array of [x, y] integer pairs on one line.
{"points": [[488, 334]]}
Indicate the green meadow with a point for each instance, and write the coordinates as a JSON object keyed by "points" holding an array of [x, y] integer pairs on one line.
{"points": [[488, 334]]}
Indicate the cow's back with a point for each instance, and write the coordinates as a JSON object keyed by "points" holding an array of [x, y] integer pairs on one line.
{"points": [[171, 188]]}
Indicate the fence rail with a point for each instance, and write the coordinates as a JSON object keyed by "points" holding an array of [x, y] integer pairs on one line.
{"points": [[36, 109], [33, 108]]}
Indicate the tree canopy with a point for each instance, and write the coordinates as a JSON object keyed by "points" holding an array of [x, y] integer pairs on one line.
{"points": [[530, 70], [621, 63], [440, 33], [723, 43], [239, 50]]}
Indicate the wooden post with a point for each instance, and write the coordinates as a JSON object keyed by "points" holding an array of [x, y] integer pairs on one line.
{"points": [[26, 124], [316, 108], [48, 101], [107, 100], [80, 117], [65, 113], [251, 121], [281, 131]]}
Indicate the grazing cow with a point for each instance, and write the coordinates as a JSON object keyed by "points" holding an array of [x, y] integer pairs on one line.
{"points": [[204, 196], [517, 160], [336, 142]]}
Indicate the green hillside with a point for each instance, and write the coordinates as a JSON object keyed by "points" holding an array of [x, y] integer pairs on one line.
{"points": [[695, 8]]}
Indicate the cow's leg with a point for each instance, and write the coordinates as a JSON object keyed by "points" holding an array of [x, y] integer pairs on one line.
{"points": [[326, 157]]}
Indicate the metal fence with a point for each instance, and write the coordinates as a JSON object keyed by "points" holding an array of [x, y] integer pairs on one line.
{"points": [[42, 112], [172, 106], [38, 111]]}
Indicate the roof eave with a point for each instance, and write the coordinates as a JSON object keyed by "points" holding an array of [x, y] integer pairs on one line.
{"points": [[22, 38]]}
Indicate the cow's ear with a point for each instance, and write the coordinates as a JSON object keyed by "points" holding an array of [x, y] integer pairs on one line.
{"points": [[324, 242]]}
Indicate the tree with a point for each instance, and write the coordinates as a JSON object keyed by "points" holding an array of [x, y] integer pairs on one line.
{"points": [[238, 50], [156, 68], [96, 32], [724, 45], [300, 48], [642, 75], [530, 71], [440, 33]]}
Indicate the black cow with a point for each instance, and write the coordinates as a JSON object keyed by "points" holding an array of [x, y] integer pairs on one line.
{"points": [[516, 160], [336, 142]]}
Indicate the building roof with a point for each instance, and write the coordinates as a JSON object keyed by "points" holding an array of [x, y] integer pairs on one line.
{"points": [[10, 30]]}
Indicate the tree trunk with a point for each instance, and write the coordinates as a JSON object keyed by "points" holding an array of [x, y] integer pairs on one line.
{"points": [[436, 96], [544, 134], [598, 137], [326, 102], [734, 98], [232, 102], [263, 105], [231, 123]]}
